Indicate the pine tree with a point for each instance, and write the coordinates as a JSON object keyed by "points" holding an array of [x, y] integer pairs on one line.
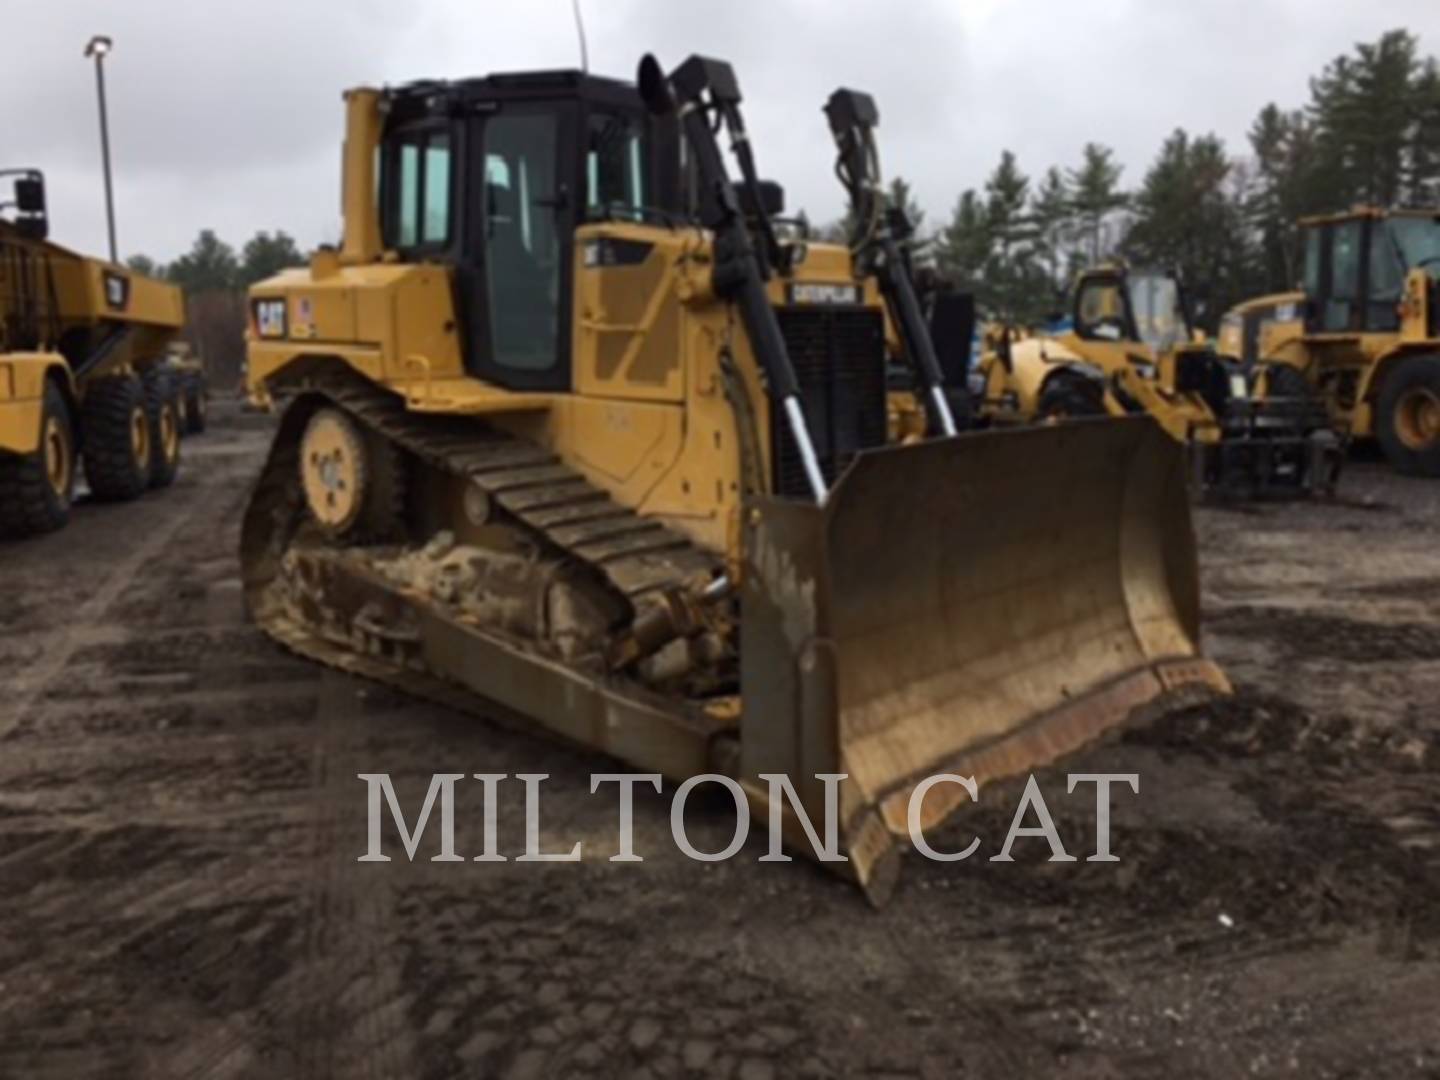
{"points": [[1187, 220], [1095, 195], [1052, 211], [1422, 171], [963, 246], [265, 255], [210, 264]]}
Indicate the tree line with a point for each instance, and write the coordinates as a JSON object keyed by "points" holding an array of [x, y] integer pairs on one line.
{"points": [[211, 264], [1370, 133]]}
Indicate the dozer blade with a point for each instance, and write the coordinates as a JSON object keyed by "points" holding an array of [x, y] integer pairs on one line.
{"points": [[978, 605]]}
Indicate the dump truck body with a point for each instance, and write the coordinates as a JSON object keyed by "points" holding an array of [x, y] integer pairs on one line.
{"points": [[82, 351]]}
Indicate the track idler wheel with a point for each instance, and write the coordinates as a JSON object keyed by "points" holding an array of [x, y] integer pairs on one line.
{"points": [[351, 478]]}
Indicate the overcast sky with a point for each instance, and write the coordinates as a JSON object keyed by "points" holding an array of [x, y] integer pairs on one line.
{"points": [[228, 116]]}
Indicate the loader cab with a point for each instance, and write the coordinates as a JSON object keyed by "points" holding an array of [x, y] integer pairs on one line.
{"points": [[493, 176], [1355, 267], [1138, 306]]}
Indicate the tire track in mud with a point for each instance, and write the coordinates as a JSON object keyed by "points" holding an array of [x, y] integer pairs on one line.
{"points": [[353, 979], [42, 671]]}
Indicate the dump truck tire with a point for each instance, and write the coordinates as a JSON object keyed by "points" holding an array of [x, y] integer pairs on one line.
{"points": [[1068, 397], [115, 438], [1407, 419], [195, 405], [162, 410], [36, 488]]}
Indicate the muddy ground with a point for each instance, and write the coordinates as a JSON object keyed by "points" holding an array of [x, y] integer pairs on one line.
{"points": [[180, 819]]}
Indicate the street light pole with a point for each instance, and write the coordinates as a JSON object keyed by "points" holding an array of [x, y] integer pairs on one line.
{"points": [[100, 45]]}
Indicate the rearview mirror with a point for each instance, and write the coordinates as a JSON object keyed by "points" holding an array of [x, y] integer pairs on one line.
{"points": [[30, 195]]}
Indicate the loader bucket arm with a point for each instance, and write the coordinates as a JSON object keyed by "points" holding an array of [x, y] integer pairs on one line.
{"points": [[979, 605]]}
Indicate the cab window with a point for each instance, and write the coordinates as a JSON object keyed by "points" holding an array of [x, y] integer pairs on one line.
{"points": [[1100, 311], [1340, 305], [615, 157], [522, 239], [416, 189], [1159, 317]]}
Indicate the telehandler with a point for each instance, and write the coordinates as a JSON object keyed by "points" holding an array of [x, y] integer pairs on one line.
{"points": [[1365, 332], [569, 433], [82, 372], [1249, 432]]}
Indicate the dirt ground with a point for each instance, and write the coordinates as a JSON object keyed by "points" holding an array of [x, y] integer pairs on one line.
{"points": [[180, 819]]}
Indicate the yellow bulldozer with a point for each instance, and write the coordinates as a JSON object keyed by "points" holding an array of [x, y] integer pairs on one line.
{"points": [[1365, 331], [1131, 348], [568, 431], [83, 375]]}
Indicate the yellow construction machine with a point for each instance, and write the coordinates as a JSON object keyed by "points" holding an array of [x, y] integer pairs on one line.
{"points": [[1131, 348], [192, 387], [1265, 328], [82, 372], [1365, 332], [570, 432]]}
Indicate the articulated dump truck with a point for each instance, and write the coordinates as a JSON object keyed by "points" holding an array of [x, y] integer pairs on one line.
{"points": [[570, 435], [84, 377]]}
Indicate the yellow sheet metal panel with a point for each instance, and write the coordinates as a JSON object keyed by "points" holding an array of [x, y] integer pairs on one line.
{"points": [[22, 392], [20, 426], [426, 331], [627, 335], [322, 314]]}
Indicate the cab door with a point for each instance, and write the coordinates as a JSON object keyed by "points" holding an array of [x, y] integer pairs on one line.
{"points": [[517, 285]]}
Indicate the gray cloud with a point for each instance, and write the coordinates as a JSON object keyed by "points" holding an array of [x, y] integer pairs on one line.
{"points": [[228, 116]]}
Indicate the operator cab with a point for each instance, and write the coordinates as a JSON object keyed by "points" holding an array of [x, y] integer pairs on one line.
{"points": [[493, 176], [1355, 267], [1132, 305]]}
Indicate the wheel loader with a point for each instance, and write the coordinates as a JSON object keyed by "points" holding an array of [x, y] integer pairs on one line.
{"points": [[83, 379], [1365, 331], [570, 434], [1130, 348]]}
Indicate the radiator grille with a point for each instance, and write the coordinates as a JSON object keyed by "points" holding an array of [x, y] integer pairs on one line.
{"points": [[839, 360]]}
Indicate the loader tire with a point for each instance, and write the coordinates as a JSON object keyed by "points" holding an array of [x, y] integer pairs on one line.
{"points": [[195, 405], [162, 410], [1407, 416], [36, 488], [1069, 397], [115, 438]]}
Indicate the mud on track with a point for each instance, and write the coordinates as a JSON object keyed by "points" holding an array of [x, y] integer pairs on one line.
{"points": [[180, 818]]}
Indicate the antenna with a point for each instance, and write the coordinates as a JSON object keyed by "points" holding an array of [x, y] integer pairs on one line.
{"points": [[580, 29]]}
